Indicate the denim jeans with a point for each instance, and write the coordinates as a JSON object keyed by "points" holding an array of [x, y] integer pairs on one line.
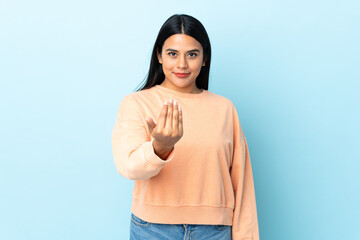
{"points": [[143, 230]]}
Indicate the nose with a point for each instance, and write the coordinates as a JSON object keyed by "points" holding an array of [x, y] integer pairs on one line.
{"points": [[182, 62]]}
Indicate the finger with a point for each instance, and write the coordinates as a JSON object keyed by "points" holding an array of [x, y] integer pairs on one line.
{"points": [[176, 116], [169, 117], [162, 116], [180, 121]]}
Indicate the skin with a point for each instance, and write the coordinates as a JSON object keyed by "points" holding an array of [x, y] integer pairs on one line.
{"points": [[185, 56], [181, 61]]}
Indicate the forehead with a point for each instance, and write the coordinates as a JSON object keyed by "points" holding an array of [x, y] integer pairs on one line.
{"points": [[181, 42]]}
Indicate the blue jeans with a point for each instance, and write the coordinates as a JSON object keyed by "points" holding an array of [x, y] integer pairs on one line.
{"points": [[143, 230]]}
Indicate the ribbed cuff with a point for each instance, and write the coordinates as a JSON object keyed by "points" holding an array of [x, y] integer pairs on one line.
{"points": [[153, 159]]}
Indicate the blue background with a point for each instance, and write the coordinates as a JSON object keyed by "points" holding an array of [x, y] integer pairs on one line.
{"points": [[290, 67]]}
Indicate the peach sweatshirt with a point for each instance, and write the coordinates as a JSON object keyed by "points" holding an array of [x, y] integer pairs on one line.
{"points": [[206, 179]]}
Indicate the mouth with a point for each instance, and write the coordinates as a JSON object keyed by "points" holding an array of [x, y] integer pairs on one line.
{"points": [[181, 75]]}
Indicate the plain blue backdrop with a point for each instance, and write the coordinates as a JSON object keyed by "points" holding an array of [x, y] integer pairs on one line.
{"points": [[290, 67]]}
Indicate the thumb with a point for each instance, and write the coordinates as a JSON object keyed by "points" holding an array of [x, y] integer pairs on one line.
{"points": [[150, 123]]}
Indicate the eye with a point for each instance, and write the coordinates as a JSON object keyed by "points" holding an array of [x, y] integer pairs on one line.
{"points": [[171, 53], [192, 54]]}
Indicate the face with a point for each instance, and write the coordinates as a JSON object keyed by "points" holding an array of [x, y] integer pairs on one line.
{"points": [[181, 53]]}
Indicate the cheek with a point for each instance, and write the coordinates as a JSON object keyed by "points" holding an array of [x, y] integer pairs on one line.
{"points": [[196, 65], [168, 64], [167, 69]]}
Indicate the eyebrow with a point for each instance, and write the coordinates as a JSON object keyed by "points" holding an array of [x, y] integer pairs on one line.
{"points": [[193, 50]]}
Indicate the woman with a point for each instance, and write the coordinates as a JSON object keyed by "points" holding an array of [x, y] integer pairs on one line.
{"points": [[192, 170]]}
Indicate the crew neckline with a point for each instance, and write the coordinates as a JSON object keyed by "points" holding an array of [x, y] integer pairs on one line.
{"points": [[180, 94]]}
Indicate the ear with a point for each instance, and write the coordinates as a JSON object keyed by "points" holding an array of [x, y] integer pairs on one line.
{"points": [[158, 56], [203, 64]]}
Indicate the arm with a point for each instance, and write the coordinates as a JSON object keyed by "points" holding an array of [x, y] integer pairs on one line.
{"points": [[134, 155], [245, 221]]}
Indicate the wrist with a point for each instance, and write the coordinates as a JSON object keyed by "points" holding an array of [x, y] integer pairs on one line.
{"points": [[162, 147], [162, 151]]}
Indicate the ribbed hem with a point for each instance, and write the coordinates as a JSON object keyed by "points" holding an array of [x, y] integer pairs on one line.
{"points": [[182, 214]]}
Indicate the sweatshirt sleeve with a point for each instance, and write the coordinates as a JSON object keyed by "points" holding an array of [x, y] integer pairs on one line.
{"points": [[245, 222], [133, 152]]}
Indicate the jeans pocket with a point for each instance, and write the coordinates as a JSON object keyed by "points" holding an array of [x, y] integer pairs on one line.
{"points": [[138, 221]]}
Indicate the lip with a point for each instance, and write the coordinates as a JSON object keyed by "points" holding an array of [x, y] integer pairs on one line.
{"points": [[181, 75]]}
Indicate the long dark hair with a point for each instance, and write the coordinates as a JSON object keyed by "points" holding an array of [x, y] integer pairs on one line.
{"points": [[183, 24]]}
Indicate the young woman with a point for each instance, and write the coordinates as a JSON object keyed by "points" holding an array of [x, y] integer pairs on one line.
{"points": [[184, 146]]}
